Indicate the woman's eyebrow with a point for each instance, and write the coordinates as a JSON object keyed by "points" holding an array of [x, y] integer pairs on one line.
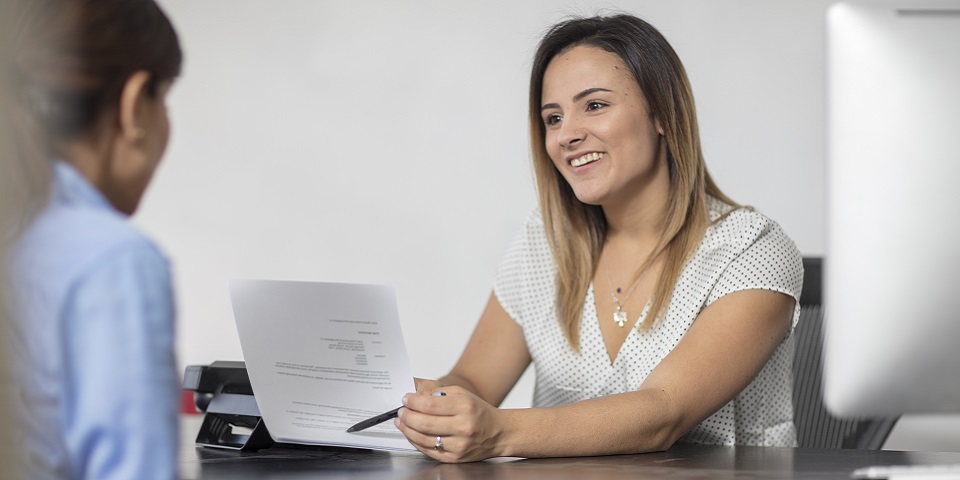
{"points": [[577, 97]]}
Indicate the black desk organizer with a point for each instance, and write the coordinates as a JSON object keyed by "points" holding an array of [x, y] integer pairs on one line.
{"points": [[222, 391]]}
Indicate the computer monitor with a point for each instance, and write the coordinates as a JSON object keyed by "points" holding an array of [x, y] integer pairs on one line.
{"points": [[892, 269]]}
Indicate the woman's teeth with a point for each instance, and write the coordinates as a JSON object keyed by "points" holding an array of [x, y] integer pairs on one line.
{"points": [[585, 159]]}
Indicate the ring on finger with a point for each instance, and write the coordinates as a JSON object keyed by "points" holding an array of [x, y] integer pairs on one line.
{"points": [[439, 445]]}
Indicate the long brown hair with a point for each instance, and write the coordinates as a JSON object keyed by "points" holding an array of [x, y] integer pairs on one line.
{"points": [[577, 231]]}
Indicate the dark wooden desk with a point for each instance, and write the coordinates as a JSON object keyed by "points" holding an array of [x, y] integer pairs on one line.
{"points": [[680, 462]]}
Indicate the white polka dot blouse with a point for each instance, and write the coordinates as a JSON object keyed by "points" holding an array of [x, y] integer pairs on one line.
{"points": [[745, 250]]}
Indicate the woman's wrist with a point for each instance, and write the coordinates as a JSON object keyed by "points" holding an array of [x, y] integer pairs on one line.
{"points": [[452, 379], [509, 441]]}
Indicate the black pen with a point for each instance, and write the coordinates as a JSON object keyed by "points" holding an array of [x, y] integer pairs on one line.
{"points": [[383, 417]]}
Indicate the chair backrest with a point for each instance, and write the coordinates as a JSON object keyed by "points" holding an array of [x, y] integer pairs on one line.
{"points": [[816, 427]]}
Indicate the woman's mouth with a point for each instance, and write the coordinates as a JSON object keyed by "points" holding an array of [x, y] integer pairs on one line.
{"points": [[585, 159]]}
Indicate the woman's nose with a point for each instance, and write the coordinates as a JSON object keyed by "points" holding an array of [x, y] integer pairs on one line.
{"points": [[570, 135]]}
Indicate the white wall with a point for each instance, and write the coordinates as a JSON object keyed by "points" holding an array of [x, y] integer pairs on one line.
{"points": [[385, 142]]}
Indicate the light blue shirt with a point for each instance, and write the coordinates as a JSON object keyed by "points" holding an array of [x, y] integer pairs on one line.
{"points": [[94, 320]]}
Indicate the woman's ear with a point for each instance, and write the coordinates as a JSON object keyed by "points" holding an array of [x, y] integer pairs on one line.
{"points": [[131, 105]]}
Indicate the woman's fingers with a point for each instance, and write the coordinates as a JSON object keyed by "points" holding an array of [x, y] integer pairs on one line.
{"points": [[432, 404], [427, 423], [437, 400], [427, 442], [464, 423]]}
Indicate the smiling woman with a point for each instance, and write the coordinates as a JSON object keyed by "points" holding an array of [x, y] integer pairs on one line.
{"points": [[589, 127], [653, 307]]}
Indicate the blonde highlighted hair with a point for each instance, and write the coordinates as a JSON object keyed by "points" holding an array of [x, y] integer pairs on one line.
{"points": [[577, 231]]}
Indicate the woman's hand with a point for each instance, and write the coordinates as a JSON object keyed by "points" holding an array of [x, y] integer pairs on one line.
{"points": [[469, 428], [426, 385]]}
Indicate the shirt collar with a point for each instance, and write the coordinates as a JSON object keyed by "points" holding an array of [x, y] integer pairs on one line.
{"points": [[72, 188]]}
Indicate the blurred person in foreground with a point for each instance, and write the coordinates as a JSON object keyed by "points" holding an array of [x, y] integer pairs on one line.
{"points": [[91, 297], [9, 207]]}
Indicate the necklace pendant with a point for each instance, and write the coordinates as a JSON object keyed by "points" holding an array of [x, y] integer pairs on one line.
{"points": [[620, 317]]}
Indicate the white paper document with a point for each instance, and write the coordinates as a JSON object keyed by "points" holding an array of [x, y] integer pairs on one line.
{"points": [[322, 357]]}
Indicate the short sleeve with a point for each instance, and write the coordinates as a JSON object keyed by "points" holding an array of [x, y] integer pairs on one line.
{"points": [[121, 390], [525, 279], [767, 259]]}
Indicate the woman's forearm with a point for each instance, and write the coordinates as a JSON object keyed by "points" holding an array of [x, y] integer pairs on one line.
{"points": [[632, 422], [472, 429]]}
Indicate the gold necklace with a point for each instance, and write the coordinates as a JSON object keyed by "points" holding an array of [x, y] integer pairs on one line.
{"points": [[620, 315]]}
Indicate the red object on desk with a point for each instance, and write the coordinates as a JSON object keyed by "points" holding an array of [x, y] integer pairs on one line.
{"points": [[186, 402]]}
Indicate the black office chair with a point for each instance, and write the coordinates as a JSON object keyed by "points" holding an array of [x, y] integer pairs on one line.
{"points": [[816, 427]]}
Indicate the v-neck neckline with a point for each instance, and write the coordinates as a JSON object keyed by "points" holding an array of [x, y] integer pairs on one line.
{"points": [[594, 325]]}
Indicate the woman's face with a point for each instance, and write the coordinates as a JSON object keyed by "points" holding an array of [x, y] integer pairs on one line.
{"points": [[598, 131]]}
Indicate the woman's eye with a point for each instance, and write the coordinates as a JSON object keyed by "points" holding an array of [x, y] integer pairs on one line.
{"points": [[551, 119], [595, 105]]}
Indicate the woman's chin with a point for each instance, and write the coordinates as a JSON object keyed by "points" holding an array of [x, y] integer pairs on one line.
{"points": [[589, 197]]}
